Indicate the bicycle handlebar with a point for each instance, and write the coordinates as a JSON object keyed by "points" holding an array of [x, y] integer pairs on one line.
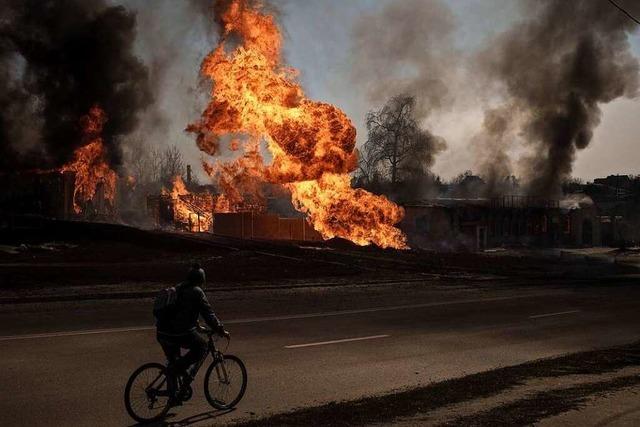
{"points": [[211, 332]]}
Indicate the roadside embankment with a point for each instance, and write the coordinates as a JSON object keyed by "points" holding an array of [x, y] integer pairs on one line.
{"points": [[516, 395]]}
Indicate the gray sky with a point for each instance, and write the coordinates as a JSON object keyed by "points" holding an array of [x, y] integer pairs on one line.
{"points": [[318, 42]]}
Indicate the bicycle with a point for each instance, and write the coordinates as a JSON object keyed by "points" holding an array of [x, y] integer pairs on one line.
{"points": [[148, 388]]}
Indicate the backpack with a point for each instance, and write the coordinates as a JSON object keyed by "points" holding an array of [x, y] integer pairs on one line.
{"points": [[164, 303]]}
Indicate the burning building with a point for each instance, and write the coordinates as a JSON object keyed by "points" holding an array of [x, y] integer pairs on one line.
{"points": [[95, 181], [84, 187], [45, 194], [205, 210], [53, 194], [252, 225], [182, 209]]}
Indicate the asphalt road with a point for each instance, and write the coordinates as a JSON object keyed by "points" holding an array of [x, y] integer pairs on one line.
{"points": [[66, 364]]}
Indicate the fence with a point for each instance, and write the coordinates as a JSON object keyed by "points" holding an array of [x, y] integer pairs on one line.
{"points": [[250, 225]]}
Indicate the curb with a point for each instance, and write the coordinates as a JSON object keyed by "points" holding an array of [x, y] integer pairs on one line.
{"points": [[149, 294]]}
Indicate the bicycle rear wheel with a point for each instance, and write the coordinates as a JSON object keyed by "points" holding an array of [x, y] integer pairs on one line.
{"points": [[225, 382], [147, 394]]}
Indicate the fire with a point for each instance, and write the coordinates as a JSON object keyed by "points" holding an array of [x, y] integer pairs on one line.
{"points": [[192, 210], [312, 143], [240, 181], [336, 209], [131, 181], [90, 162]]}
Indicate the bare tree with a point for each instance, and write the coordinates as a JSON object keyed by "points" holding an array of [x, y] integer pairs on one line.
{"points": [[396, 147], [139, 162], [172, 163], [155, 165], [366, 169]]}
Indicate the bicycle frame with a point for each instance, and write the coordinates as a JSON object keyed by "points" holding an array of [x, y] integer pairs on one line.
{"points": [[217, 355], [153, 389]]}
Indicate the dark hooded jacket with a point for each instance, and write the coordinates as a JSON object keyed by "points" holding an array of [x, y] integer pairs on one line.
{"points": [[191, 303]]}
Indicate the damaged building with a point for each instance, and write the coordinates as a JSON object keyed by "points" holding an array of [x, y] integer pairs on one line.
{"points": [[51, 195], [203, 211], [45, 194], [190, 212], [254, 225], [508, 221], [54, 195]]}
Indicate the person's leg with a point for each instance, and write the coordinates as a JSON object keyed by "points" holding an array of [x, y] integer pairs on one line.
{"points": [[171, 350], [197, 347], [170, 347]]}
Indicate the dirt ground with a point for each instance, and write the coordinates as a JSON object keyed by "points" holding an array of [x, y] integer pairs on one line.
{"points": [[74, 254]]}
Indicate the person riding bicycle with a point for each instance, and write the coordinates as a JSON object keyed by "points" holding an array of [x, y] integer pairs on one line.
{"points": [[178, 327]]}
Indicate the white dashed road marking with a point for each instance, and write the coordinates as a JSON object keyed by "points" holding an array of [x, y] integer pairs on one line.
{"points": [[315, 344]]}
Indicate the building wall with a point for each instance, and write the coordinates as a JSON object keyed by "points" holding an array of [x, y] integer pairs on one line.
{"points": [[49, 194], [250, 225], [585, 228], [438, 227], [476, 227], [524, 226]]}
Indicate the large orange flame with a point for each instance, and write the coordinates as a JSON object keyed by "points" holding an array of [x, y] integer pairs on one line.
{"points": [[90, 162], [312, 143]]}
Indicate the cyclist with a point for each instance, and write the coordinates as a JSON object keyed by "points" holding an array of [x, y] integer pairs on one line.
{"points": [[178, 328]]}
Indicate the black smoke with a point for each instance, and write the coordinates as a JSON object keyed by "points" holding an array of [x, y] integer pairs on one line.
{"points": [[57, 59], [558, 66], [491, 147]]}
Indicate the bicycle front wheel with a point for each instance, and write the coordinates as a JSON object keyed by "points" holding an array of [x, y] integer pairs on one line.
{"points": [[225, 382], [147, 395]]}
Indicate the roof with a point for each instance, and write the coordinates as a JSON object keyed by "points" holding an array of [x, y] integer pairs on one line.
{"points": [[447, 202]]}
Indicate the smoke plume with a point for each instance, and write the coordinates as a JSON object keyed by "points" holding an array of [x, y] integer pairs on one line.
{"points": [[173, 39], [557, 67], [57, 59], [406, 48], [491, 147]]}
